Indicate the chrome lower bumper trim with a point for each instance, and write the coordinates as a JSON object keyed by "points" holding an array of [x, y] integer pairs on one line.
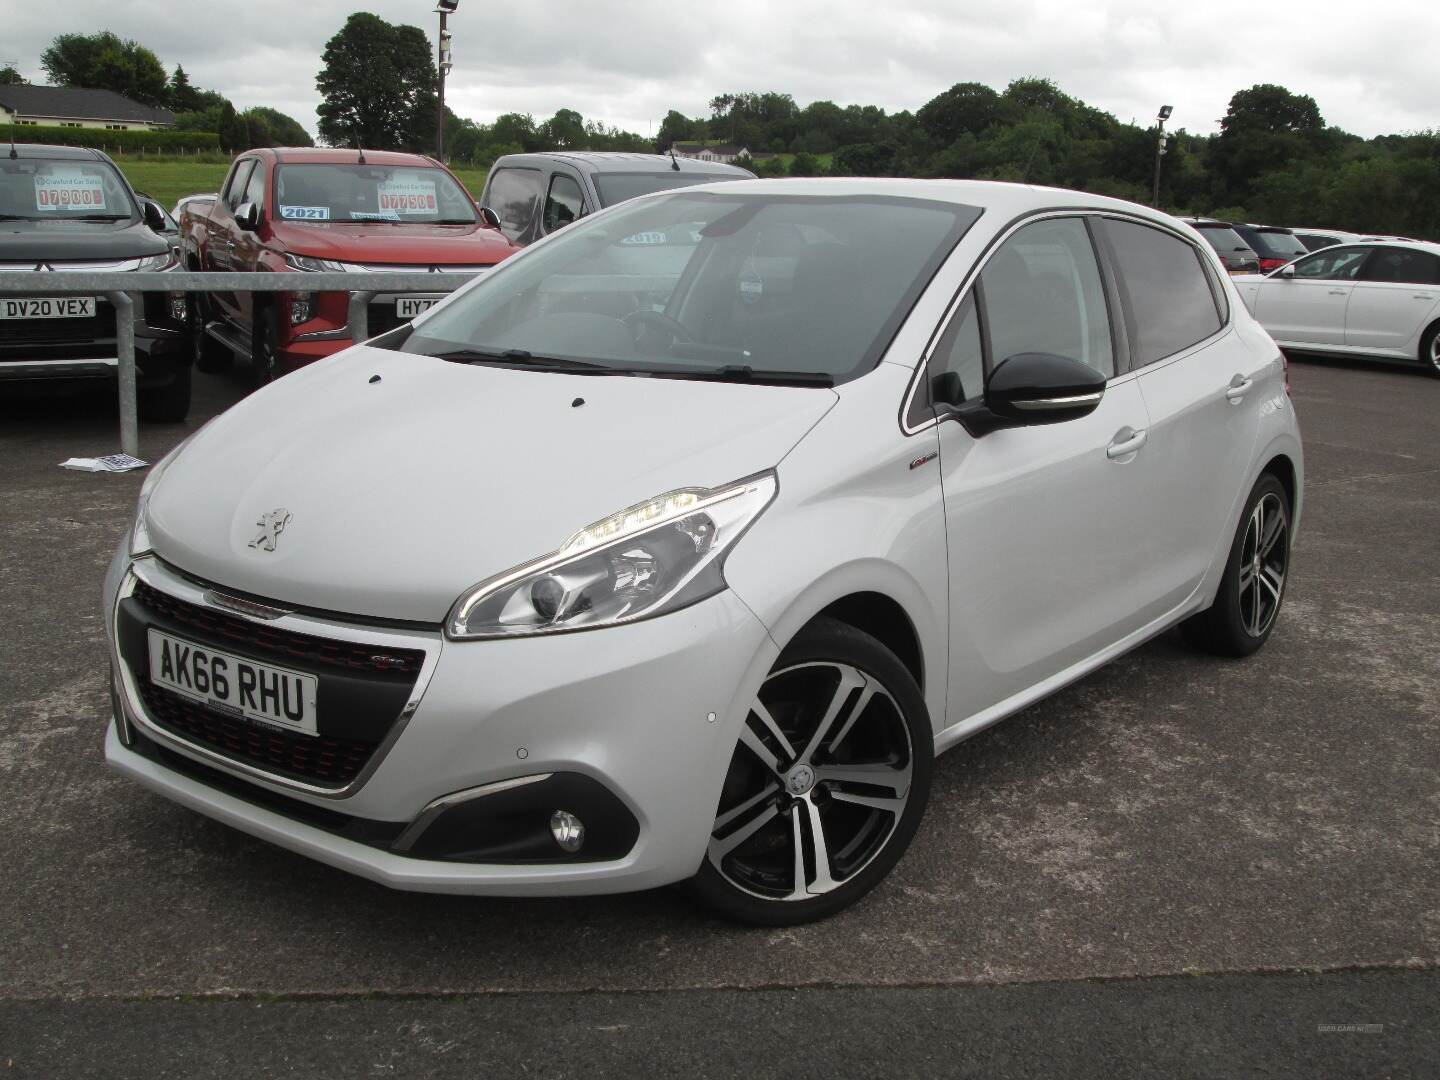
{"points": [[406, 840]]}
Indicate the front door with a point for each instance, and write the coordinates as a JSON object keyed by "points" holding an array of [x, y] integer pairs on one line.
{"points": [[1309, 308], [1040, 520]]}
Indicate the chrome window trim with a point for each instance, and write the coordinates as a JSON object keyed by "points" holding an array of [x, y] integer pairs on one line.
{"points": [[160, 577], [995, 243]]}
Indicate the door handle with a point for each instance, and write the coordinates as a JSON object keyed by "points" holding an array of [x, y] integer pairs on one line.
{"points": [[1339, 292], [1422, 296], [1238, 388], [1124, 445]]}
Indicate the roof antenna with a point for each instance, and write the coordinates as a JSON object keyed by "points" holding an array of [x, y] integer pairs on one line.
{"points": [[673, 163], [359, 148]]}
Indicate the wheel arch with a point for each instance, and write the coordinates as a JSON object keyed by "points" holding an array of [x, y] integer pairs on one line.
{"points": [[1283, 469]]}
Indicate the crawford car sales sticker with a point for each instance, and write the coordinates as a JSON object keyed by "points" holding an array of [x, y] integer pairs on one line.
{"points": [[408, 197], [75, 190]]}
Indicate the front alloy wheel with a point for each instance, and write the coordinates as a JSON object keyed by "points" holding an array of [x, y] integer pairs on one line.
{"points": [[826, 785]]}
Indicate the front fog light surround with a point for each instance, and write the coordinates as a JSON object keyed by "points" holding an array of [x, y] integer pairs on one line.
{"points": [[302, 308], [644, 561]]}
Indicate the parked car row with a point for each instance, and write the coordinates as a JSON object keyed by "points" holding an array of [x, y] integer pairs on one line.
{"points": [[278, 210]]}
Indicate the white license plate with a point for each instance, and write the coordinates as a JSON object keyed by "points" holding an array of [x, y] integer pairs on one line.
{"points": [[231, 684], [407, 307], [47, 307]]}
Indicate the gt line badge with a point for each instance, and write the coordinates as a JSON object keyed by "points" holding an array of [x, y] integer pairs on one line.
{"points": [[271, 526]]}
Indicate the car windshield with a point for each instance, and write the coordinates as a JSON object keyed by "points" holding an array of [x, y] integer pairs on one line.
{"points": [[707, 284], [1225, 241], [618, 187], [415, 195], [52, 189]]}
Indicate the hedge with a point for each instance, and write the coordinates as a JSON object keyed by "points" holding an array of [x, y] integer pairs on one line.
{"points": [[122, 142]]}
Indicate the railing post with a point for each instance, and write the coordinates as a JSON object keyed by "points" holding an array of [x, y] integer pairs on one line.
{"points": [[358, 317], [125, 353]]}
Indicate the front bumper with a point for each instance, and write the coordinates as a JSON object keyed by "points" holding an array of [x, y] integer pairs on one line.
{"points": [[650, 712]]}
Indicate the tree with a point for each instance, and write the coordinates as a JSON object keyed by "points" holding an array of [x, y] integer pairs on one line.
{"points": [[181, 96], [379, 86], [676, 127], [965, 107], [231, 130], [804, 165], [286, 130], [1265, 125], [10, 77], [105, 62], [516, 129], [564, 131]]}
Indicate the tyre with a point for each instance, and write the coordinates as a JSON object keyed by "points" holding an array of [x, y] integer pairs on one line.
{"points": [[264, 349], [167, 404], [827, 784], [1253, 586], [1430, 350], [209, 355]]}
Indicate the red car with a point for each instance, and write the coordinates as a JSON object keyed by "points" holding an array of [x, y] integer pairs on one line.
{"points": [[324, 210]]}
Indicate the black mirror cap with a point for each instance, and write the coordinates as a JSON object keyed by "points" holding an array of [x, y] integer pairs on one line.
{"points": [[490, 217], [153, 215], [247, 216], [1042, 388]]}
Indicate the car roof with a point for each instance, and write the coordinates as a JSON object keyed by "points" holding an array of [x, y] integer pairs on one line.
{"points": [[598, 161], [58, 153], [325, 155]]}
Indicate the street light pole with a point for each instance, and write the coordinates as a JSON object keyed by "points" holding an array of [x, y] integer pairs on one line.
{"points": [[1165, 111], [443, 65]]}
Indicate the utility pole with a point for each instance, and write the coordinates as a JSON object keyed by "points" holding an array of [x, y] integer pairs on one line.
{"points": [[1165, 111], [444, 9]]}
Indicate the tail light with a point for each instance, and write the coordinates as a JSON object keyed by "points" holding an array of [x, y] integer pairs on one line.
{"points": [[1266, 265], [1285, 370]]}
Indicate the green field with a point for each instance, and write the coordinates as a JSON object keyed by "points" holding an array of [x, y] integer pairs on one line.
{"points": [[168, 180]]}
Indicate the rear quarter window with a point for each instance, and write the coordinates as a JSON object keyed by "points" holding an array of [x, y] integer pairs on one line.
{"points": [[1170, 296]]}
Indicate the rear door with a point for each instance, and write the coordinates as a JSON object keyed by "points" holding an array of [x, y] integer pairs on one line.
{"points": [[1203, 389], [1309, 308], [1396, 297]]}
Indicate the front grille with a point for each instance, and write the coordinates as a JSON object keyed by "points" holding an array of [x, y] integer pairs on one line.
{"points": [[283, 645], [381, 319], [362, 689], [314, 759]]}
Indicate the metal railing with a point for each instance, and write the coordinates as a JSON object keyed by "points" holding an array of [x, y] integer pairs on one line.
{"points": [[123, 288]]}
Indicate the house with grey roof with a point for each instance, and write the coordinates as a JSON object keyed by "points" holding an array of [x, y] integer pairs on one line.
{"points": [[725, 152], [64, 106]]}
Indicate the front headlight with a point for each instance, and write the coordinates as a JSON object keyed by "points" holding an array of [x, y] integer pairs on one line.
{"points": [[154, 263], [312, 265], [644, 561]]}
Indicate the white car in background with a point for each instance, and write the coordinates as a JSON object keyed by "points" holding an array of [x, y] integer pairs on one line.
{"points": [[1379, 300], [676, 547]]}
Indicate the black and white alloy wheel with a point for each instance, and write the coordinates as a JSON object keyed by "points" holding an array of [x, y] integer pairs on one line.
{"points": [[827, 783], [1253, 585]]}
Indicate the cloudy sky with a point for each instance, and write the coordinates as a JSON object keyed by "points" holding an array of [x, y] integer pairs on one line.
{"points": [[1370, 66]]}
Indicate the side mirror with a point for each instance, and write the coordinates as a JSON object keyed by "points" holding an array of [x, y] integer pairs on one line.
{"points": [[1042, 388], [153, 215], [489, 217], [1287, 272], [247, 216]]}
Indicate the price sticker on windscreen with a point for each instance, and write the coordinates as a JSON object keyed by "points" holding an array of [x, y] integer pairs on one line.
{"points": [[408, 197], [69, 190]]}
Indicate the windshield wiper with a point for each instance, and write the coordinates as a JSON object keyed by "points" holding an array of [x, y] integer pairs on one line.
{"points": [[744, 373], [450, 221], [97, 217], [519, 358]]}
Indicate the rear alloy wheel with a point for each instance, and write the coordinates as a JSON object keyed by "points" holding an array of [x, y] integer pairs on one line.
{"points": [[827, 784], [1253, 586], [1430, 350], [264, 349]]}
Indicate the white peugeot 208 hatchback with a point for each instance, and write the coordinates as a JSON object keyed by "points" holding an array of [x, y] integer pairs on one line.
{"points": [[675, 548]]}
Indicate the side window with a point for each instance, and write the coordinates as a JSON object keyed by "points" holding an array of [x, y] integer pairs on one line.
{"points": [[255, 188], [1170, 297], [513, 195], [1402, 266], [564, 203], [1043, 294], [238, 179], [1332, 264]]}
